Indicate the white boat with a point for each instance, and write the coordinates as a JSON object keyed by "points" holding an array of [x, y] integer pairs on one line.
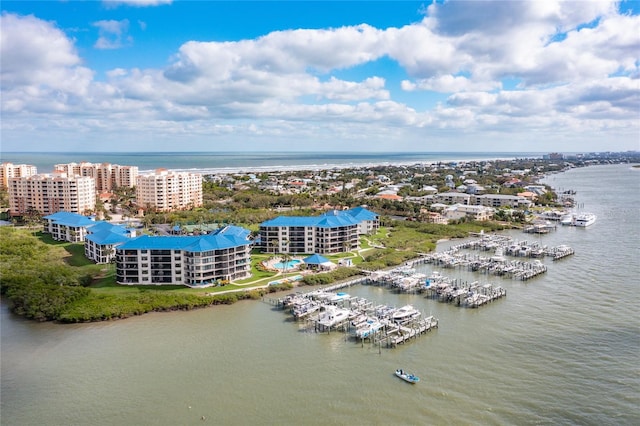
{"points": [[499, 255], [332, 315], [567, 220], [585, 219], [369, 327], [338, 297], [320, 295], [407, 377], [293, 299], [407, 312], [304, 309]]}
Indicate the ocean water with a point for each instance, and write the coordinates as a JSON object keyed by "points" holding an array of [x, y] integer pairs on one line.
{"points": [[211, 162], [559, 349]]}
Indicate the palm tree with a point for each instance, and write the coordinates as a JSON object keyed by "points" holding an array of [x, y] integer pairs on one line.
{"points": [[32, 218], [270, 244], [346, 246], [285, 256]]}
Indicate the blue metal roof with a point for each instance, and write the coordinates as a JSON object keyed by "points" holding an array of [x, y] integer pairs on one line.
{"points": [[336, 221], [106, 226], [107, 238], [234, 230], [330, 219], [361, 213], [105, 233], [312, 221], [315, 259], [229, 237], [292, 221], [70, 219]]}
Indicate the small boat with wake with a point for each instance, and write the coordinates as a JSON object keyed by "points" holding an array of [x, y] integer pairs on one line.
{"points": [[407, 377]]}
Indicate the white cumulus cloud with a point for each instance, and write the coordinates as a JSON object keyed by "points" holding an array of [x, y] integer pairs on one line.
{"points": [[508, 70], [113, 34]]}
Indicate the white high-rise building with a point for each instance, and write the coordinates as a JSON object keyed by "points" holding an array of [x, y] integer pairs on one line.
{"points": [[9, 170], [167, 190], [107, 176], [48, 194]]}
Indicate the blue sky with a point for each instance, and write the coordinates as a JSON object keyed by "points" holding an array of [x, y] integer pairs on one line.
{"points": [[519, 76]]}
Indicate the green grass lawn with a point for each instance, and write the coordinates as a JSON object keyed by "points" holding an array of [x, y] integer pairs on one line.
{"points": [[105, 282]]}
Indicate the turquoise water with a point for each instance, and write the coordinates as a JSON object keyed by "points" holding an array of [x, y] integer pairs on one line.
{"points": [[288, 265]]}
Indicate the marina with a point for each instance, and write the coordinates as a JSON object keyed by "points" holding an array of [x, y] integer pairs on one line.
{"points": [[332, 309], [581, 220], [471, 295], [359, 318], [558, 351], [539, 228], [498, 264]]}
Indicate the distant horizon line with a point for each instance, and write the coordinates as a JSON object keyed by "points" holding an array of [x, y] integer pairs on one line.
{"points": [[304, 152]]}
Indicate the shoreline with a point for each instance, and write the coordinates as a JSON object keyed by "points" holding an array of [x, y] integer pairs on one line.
{"points": [[322, 167], [228, 163], [211, 163]]}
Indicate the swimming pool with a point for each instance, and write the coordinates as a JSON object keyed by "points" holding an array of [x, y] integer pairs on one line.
{"points": [[287, 265]]}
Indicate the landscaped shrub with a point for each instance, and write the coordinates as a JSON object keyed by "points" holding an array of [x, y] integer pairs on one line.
{"points": [[255, 294], [338, 274], [279, 287]]}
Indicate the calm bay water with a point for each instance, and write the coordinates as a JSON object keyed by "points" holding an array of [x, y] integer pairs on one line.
{"points": [[562, 348], [211, 162]]}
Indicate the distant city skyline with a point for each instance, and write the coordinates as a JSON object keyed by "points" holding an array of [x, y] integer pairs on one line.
{"points": [[355, 76]]}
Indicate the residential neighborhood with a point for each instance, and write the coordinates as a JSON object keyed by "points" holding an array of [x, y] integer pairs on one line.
{"points": [[192, 229]]}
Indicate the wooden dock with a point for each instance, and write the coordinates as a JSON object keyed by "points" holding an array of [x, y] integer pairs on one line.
{"points": [[388, 332], [402, 334], [467, 295]]}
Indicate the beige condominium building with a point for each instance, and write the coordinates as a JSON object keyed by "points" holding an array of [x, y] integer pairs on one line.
{"points": [[107, 176], [167, 190], [9, 170], [51, 193]]}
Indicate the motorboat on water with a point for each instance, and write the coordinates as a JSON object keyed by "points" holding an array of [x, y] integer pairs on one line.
{"points": [[585, 219], [338, 297], [567, 220], [405, 313], [303, 309], [332, 315], [293, 299], [369, 327], [407, 377], [320, 295]]}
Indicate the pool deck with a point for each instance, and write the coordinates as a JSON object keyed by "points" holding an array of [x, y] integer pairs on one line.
{"points": [[271, 264]]}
